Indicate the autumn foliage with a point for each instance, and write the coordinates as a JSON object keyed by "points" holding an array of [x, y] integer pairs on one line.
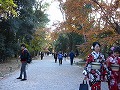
{"points": [[96, 20]]}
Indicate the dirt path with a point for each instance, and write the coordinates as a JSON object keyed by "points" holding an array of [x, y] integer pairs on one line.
{"points": [[46, 75]]}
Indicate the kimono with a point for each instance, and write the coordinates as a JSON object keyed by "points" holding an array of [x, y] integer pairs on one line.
{"points": [[95, 68], [113, 64]]}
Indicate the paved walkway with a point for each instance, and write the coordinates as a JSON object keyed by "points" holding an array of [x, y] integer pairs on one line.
{"points": [[45, 75]]}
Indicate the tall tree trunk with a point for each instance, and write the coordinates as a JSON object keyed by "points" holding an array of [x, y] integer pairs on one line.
{"points": [[117, 28]]}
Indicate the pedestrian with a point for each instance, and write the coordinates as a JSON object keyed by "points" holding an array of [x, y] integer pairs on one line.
{"points": [[113, 63], [76, 53], [65, 56], [71, 55], [23, 57], [93, 68], [55, 57], [42, 54], [60, 57]]}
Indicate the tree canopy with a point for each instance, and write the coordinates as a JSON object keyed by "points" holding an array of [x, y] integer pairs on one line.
{"points": [[96, 20], [7, 8], [19, 23]]}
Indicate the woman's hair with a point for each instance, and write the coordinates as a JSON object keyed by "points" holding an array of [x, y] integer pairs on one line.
{"points": [[116, 49], [23, 45], [96, 43]]}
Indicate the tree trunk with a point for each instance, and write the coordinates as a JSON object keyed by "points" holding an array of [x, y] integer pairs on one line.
{"points": [[117, 28]]}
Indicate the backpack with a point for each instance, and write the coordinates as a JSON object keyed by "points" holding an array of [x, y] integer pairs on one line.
{"points": [[29, 58], [60, 56]]}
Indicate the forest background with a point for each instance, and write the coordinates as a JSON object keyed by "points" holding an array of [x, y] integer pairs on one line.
{"points": [[22, 21], [84, 21], [93, 20]]}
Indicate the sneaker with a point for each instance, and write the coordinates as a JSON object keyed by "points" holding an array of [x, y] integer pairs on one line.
{"points": [[23, 79], [19, 78]]}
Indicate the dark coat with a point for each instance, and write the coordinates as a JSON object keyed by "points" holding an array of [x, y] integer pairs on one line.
{"points": [[72, 55]]}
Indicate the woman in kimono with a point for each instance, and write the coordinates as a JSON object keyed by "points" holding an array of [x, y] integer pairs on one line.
{"points": [[95, 67], [113, 63]]}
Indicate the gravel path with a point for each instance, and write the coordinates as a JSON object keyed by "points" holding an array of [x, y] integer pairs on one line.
{"points": [[45, 75]]}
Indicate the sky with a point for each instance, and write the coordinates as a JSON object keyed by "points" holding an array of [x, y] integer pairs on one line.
{"points": [[54, 13]]}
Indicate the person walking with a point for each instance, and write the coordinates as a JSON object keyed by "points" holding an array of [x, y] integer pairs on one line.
{"points": [[23, 57], [60, 57], [71, 55], [42, 55], [113, 63], [94, 67], [65, 56], [55, 57]]}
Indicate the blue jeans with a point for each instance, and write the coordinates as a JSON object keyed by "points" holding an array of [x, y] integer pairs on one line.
{"points": [[23, 70]]}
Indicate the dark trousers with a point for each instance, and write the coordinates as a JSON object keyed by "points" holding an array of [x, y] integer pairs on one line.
{"points": [[60, 61], [71, 61], [41, 57], [23, 70], [55, 60]]}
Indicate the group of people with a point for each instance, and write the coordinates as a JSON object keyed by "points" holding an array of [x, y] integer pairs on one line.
{"points": [[41, 55], [24, 56], [98, 69], [60, 57]]}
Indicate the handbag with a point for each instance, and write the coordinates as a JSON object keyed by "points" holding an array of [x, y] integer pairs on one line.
{"points": [[84, 85]]}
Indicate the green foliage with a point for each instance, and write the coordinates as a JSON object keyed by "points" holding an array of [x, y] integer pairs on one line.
{"points": [[38, 42], [88, 6], [61, 43], [14, 24], [40, 19], [20, 29], [30, 20], [7, 6], [11, 49], [45, 6], [67, 42], [9, 45], [2, 44], [105, 34]]}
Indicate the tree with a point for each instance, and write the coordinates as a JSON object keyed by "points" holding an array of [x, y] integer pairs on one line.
{"points": [[38, 43], [81, 9], [67, 42], [20, 29], [97, 20], [7, 8], [109, 13], [30, 19]]}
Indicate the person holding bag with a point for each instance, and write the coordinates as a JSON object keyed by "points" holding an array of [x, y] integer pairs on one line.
{"points": [[94, 67], [84, 85]]}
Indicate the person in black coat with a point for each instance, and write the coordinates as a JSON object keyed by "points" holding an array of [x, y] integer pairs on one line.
{"points": [[71, 55], [42, 54], [55, 57]]}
